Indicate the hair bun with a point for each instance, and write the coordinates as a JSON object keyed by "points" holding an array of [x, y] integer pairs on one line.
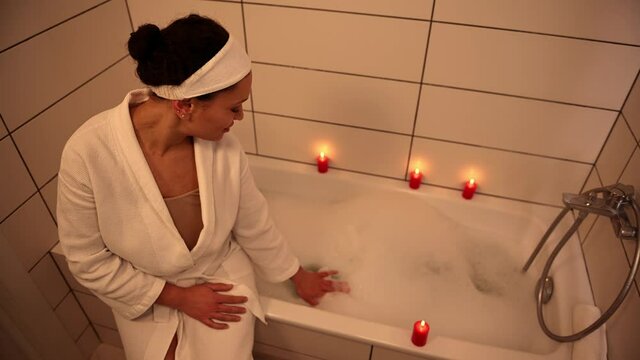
{"points": [[144, 42]]}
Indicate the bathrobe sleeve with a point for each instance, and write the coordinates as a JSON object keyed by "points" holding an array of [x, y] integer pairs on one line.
{"points": [[256, 232], [127, 290]]}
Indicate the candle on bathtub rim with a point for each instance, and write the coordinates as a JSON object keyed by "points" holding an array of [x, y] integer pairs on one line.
{"points": [[469, 188], [323, 163], [415, 179], [420, 333]]}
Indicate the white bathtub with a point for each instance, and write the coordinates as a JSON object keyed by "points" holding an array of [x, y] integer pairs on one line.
{"points": [[410, 255]]}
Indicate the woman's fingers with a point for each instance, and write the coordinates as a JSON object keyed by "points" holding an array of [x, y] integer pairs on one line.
{"points": [[224, 317], [326, 273], [215, 325], [231, 309], [218, 286]]}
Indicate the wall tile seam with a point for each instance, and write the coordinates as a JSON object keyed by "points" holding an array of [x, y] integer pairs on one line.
{"points": [[18, 207], [604, 144], [59, 273], [627, 163], [584, 259], [417, 108], [35, 183], [307, 8], [30, 37], [633, 84], [29, 198], [85, 330], [435, 85], [635, 137], [401, 179], [69, 93], [251, 95], [539, 33], [45, 254], [84, 312], [254, 111]]}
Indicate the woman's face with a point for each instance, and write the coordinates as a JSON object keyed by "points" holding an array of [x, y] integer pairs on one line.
{"points": [[212, 118]]}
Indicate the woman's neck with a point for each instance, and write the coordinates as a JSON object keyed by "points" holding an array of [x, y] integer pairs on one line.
{"points": [[157, 127]]}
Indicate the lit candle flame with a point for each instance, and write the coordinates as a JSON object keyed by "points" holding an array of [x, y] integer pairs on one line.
{"points": [[471, 181], [417, 171], [322, 155], [422, 323]]}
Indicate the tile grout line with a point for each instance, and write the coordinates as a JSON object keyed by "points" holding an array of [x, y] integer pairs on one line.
{"points": [[253, 103], [53, 26], [297, 67], [69, 93], [538, 33], [403, 180], [417, 108], [421, 137]]}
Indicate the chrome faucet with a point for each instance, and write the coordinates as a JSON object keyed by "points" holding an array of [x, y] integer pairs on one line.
{"points": [[615, 202], [611, 201]]}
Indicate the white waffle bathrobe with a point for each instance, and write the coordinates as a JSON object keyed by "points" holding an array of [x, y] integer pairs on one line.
{"points": [[121, 243]]}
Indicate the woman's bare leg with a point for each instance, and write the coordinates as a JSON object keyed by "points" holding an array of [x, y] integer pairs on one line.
{"points": [[171, 352]]}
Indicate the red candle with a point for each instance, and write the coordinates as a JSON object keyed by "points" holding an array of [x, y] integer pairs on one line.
{"points": [[415, 179], [420, 333], [323, 163], [469, 188]]}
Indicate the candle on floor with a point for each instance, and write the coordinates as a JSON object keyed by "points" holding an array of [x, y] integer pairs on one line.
{"points": [[323, 163], [415, 179], [469, 188], [420, 333]]}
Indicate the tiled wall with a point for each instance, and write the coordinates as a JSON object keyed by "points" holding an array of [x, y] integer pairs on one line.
{"points": [[60, 63], [526, 96], [609, 258]]}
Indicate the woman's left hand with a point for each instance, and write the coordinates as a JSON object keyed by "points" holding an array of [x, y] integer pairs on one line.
{"points": [[311, 286]]}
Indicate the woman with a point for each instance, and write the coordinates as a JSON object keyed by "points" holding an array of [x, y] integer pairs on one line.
{"points": [[158, 213]]}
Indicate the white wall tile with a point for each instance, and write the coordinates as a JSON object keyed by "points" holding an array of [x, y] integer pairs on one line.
{"points": [[30, 231], [623, 329], [336, 98], [498, 172], [593, 181], [60, 259], [347, 148], [88, 342], [41, 140], [71, 316], [39, 72], [109, 336], [542, 67], [227, 14], [358, 44], [243, 130], [310, 342], [41, 15], [97, 311], [15, 183], [415, 9], [631, 110], [49, 281], [50, 194], [616, 153], [617, 19], [631, 176], [606, 261], [504, 122]]}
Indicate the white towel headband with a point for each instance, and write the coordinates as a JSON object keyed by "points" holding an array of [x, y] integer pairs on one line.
{"points": [[226, 68]]}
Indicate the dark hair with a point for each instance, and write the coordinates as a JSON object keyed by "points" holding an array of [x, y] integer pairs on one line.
{"points": [[169, 56]]}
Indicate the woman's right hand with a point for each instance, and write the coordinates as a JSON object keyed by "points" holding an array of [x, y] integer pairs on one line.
{"points": [[205, 303]]}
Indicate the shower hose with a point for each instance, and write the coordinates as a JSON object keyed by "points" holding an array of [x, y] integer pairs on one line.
{"points": [[540, 290]]}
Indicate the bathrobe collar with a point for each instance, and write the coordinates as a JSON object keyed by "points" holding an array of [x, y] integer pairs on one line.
{"points": [[143, 177]]}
